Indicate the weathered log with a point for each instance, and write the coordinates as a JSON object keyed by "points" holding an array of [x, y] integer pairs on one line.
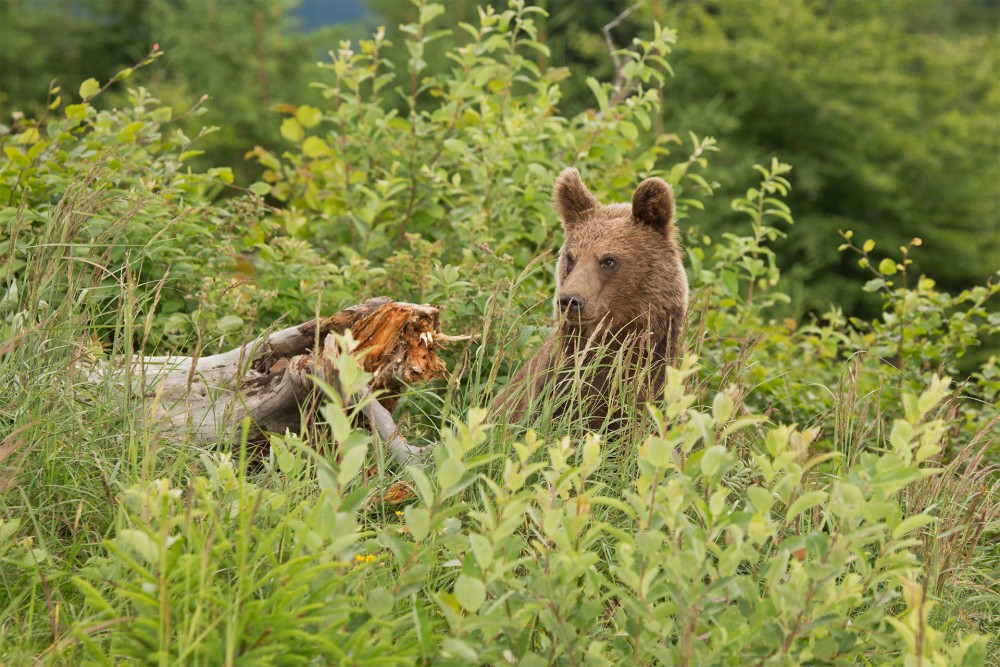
{"points": [[269, 380]]}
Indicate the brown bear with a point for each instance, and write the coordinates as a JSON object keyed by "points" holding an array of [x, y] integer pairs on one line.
{"points": [[621, 295]]}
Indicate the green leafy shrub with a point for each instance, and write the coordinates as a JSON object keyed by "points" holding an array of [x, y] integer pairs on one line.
{"points": [[467, 162], [112, 189], [721, 549], [813, 493], [873, 139]]}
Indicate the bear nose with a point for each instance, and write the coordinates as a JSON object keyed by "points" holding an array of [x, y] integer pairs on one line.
{"points": [[571, 302]]}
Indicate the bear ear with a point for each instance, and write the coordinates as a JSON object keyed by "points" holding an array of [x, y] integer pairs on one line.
{"points": [[572, 197], [653, 204]]}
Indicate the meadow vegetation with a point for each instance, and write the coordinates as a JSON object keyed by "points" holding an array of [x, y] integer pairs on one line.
{"points": [[820, 492]]}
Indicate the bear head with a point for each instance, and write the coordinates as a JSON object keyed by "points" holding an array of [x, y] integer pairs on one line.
{"points": [[620, 267]]}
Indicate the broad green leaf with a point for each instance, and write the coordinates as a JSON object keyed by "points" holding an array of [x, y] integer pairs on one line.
{"points": [[314, 147], [715, 460], [628, 129], [430, 12], [482, 549], [722, 407], [229, 324], [456, 146], [912, 523], [76, 111], [127, 134], [424, 489], [350, 464], [456, 647], [308, 116], [806, 501], [292, 130], [379, 602], [934, 394], [741, 423], [36, 149], [418, 520], [599, 93], [657, 451], [470, 593], [224, 174], [28, 137], [901, 435], [591, 450], [16, 156], [450, 472], [717, 503], [89, 88], [288, 463], [761, 498], [162, 114], [8, 528]]}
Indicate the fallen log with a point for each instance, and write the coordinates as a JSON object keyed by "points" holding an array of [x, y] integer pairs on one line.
{"points": [[269, 381]]}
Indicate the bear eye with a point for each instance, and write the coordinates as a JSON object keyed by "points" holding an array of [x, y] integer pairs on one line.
{"points": [[608, 262], [569, 261]]}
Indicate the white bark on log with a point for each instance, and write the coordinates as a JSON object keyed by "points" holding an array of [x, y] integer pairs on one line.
{"points": [[206, 399], [401, 450]]}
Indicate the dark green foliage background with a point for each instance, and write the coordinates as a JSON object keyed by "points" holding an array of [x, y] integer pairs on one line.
{"points": [[889, 111]]}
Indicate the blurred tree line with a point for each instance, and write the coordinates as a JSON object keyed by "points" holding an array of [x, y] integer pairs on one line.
{"points": [[247, 55], [888, 111]]}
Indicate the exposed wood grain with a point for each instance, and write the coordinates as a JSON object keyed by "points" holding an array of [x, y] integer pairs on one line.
{"points": [[269, 380]]}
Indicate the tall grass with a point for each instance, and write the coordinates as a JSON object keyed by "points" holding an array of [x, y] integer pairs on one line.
{"points": [[790, 498], [117, 544]]}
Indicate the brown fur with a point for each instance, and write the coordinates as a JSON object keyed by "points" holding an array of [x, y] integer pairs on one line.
{"points": [[622, 264]]}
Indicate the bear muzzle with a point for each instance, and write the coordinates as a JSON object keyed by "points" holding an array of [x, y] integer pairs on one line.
{"points": [[571, 304], [574, 311]]}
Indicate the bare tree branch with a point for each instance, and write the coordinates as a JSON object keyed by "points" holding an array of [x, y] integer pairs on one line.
{"points": [[619, 78]]}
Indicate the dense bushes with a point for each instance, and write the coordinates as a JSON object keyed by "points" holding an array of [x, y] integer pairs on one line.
{"points": [[887, 112], [862, 100], [804, 494], [714, 552]]}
